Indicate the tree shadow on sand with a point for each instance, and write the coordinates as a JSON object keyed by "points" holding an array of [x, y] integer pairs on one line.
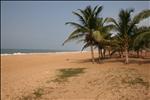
{"points": [[113, 60]]}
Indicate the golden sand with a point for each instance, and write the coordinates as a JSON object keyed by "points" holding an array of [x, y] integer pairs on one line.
{"points": [[21, 75]]}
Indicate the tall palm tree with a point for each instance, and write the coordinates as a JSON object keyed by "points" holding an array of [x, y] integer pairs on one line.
{"points": [[87, 23], [101, 36], [125, 26]]}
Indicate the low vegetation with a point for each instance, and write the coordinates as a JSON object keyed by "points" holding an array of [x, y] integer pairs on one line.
{"points": [[36, 95], [115, 81], [136, 81], [38, 92], [64, 74]]}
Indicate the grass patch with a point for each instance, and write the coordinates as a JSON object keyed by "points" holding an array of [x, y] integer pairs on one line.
{"points": [[28, 97], [64, 74], [38, 92], [36, 95], [136, 81]]}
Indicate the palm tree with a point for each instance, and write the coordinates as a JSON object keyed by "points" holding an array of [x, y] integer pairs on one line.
{"points": [[102, 36], [141, 39], [84, 29], [117, 45], [125, 26]]}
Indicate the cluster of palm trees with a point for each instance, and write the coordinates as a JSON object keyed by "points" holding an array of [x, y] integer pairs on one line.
{"points": [[95, 31]]}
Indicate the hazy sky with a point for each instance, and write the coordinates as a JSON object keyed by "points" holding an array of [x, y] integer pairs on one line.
{"points": [[41, 24]]}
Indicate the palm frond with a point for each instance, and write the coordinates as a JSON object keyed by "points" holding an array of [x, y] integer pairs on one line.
{"points": [[142, 40], [110, 27], [81, 18], [76, 25], [99, 9], [87, 44], [95, 8], [105, 20], [139, 17], [81, 40], [142, 15], [75, 34], [114, 22]]}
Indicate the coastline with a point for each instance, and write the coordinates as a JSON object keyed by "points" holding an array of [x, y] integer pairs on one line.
{"points": [[21, 75], [19, 53]]}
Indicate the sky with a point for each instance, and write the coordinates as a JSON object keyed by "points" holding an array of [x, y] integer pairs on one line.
{"points": [[41, 24]]}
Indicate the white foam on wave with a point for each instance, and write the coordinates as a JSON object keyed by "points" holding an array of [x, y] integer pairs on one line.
{"points": [[6, 54], [19, 53], [72, 52], [16, 54]]}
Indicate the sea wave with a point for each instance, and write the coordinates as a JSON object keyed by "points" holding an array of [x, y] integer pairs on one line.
{"points": [[19, 53], [70, 52]]}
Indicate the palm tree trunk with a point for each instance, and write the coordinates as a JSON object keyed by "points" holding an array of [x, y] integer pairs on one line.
{"points": [[121, 54], [141, 54], [99, 57], [92, 54], [138, 54], [145, 53], [104, 52], [126, 55], [109, 53]]}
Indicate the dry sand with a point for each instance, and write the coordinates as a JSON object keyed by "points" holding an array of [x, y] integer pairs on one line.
{"points": [[22, 75]]}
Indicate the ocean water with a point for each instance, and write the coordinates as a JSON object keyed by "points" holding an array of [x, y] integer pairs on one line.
{"points": [[25, 51]]}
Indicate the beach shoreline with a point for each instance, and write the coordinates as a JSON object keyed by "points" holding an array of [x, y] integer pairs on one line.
{"points": [[20, 53], [22, 74]]}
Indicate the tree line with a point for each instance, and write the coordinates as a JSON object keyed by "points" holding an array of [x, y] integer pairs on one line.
{"points": [[96, 32]]}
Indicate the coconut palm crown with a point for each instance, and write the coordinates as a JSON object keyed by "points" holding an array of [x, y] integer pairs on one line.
{"points": [[87, 24]]}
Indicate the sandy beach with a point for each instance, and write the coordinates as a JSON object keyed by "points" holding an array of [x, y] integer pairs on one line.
{"points": [[22, 75]]}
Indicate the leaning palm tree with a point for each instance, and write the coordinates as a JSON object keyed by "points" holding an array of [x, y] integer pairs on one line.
{"points": [[84, 29], [125, 26]]}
